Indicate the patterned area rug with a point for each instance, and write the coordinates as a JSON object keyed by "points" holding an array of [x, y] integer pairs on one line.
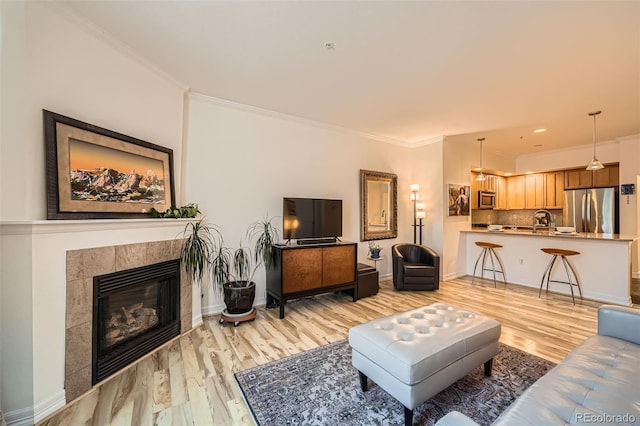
{"points": [[320, 387]]}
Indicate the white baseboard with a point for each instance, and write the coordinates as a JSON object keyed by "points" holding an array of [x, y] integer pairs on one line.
{"points": [[49, 405], [452, 276], [385, 276], [212, 309], [196, 320], [21, 417]]}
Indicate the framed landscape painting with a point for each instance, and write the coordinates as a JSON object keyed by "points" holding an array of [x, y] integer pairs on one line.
{"points": [[95, 173]]}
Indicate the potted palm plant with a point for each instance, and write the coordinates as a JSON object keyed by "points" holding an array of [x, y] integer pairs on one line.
{"points": [[200, 242], [233, 269]]}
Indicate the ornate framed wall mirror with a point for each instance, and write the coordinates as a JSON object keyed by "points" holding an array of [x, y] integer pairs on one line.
{"points": [[378, 205]]}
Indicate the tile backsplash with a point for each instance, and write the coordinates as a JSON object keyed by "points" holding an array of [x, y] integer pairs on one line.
{"points": [[508, 217]]}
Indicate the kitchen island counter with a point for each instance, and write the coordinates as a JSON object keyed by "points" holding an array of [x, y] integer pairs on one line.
{"points": [[545, 233], [603, 265]]}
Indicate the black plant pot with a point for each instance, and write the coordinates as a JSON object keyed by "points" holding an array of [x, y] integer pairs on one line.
{"points": [[239, 296]]}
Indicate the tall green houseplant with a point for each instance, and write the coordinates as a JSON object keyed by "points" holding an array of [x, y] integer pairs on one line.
{"points": [[200, 243], [233, 269]]}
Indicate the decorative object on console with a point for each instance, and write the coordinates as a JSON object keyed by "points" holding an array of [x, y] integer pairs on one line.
{"points": [[374, 250], [378, 205], [95, 173], [594, 164], [458, 200]]}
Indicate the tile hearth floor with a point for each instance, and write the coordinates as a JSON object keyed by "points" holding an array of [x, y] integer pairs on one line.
{"points": [[190, 380]]}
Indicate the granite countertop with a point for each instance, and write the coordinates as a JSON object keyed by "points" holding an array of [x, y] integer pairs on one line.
{"points": [[527, 232]]}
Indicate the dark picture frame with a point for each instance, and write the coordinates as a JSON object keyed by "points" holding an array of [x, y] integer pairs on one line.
{"points": [[96, 173]]}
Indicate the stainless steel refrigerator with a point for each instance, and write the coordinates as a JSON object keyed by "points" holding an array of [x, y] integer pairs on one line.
{"points": [[591, 210]]}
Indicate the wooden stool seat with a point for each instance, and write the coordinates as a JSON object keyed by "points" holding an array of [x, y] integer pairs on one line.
{"points": [[488, 250], [485, 244], [559, 252], [562, 254]]}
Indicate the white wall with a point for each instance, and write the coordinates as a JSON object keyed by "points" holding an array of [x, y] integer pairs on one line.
{"points": [[461, 155], [630, 204], [50, 61], [607, 152], [243, 161]]}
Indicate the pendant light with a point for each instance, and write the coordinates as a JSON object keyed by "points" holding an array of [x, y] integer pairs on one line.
{"points": [[481, 177], [594, 164]]}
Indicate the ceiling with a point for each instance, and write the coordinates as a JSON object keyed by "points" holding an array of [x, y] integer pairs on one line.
{"points": [[403, 71]]}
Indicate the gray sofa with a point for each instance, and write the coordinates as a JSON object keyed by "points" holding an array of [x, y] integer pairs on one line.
{"points": [[598, 382]]}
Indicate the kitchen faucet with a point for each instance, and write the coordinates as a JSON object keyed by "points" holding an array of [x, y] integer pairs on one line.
{"points": [[542, 222]]}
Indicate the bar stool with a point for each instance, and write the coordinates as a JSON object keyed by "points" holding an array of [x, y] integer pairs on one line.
{"points": [[489, 249], [562, 253]]}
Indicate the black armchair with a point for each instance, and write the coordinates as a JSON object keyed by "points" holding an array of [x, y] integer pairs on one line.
{"points": [[415, 267]]}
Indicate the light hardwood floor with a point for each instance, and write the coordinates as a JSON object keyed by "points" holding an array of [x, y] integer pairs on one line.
{"points": [[190, 380]]}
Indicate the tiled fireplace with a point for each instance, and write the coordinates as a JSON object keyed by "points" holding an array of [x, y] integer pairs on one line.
{"points": [[138, 311]]}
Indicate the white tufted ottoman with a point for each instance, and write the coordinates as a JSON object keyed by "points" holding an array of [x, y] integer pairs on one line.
{"points": [[414, 355]]}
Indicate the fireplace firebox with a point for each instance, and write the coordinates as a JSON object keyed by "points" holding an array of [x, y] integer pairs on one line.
{"points": [[134, 312]]}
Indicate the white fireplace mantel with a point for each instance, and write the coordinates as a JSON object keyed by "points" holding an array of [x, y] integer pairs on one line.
{"points": [[33, 302]]}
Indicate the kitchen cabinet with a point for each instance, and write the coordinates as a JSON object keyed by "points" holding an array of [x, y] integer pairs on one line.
{"points": [[553, 190], [493, 183], [515, 192], [501, 193], [534, 191], [609, 176], [582, 178], [578, 178]]}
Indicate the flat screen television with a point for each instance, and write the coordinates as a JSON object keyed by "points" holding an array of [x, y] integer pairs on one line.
{"points": [[311, 218]]}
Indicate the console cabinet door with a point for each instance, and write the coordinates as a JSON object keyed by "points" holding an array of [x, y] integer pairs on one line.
{"points": [[301, 270], [338, 265]]}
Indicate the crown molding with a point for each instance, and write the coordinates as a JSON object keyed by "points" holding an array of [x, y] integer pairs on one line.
{"points": [[308, 122], [630, 138]]}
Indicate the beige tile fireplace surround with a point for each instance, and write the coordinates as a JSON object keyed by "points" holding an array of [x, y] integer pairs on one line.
{"points": [[82, 266]]}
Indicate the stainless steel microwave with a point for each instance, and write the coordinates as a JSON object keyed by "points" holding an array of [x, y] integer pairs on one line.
{"points": [[486, 199]]}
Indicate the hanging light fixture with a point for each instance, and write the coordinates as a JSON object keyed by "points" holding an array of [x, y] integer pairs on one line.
{"points": [[481, 177], [594, 164]]}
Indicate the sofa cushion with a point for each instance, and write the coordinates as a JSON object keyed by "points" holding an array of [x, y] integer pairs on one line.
{"points": [[597, 382]]}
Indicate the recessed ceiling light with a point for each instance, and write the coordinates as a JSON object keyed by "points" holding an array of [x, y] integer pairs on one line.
{"points": [[539, 130], [538, 145]]}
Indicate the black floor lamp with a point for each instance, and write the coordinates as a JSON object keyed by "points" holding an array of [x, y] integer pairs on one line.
{"points": [[418, 212]]}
